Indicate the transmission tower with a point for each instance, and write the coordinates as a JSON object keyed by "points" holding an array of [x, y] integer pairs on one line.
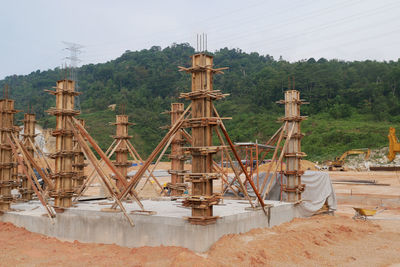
{"points": [[74, 51]]}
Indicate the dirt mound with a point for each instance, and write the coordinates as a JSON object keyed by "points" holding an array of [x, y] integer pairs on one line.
{"points": [[317, 241], [308, 165], [305, 165]]}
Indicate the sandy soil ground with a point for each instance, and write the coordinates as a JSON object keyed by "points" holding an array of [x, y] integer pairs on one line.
{"points": [[322, 240], [390, 181]]}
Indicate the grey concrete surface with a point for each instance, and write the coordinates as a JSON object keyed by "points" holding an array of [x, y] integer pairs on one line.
{"points": [[87, 223]]}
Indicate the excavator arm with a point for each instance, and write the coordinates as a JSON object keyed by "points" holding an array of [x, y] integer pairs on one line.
{"points": [[394, 145]]}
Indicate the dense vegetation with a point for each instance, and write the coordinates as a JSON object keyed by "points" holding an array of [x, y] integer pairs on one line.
{"points": [[352, 104]]}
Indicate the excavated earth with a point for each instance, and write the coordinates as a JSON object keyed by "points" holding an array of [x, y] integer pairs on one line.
{"points": [[322, 240]]}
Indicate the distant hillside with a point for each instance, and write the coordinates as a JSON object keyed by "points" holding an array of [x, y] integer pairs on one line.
{"points": [[352, 104]]}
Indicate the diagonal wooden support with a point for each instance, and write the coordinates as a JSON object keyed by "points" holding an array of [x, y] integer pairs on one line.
{"points": [[283, 129], [46, 179], [135, 153], [153, 154], [186, 135], [158, 161], [224, 178], [109, 155], [132, 151], [233, 168], [41, 156], [91, 177], [19, 148], [279, 160], [35, 186], [96, 147], [106, 180], [271, 141], [188, 138], [81, 133], [104, 157], [228, 139]]}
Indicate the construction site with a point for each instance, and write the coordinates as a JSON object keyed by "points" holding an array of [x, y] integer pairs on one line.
{"points": [[212, 133], [211, 191]]}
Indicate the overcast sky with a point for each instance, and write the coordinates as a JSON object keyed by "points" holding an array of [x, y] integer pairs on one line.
{"points": [[32, 31]]}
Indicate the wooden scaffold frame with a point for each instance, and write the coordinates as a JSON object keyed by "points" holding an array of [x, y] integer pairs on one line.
{"points": [[7, 159], [203, 122]]}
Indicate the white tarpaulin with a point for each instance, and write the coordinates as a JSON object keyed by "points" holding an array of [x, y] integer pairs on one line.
{"points": [[318, 189]]}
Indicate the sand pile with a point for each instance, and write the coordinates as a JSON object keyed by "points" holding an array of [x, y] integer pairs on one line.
{"points": [[305, 165], [149, 190]]}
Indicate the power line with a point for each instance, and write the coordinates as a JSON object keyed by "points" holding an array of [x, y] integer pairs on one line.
{"points": [[74, 50], [325, 26]]}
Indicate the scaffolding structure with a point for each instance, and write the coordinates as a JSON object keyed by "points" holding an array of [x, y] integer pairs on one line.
{"points": [[254, 158], [79, 163], [16, 177], [121, 153], [202, 121], [29, 135], [177, 156], [292, 153], [7, 164], [64, 172]]}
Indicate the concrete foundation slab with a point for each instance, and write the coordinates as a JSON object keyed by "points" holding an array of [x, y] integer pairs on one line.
{"points": [[87, 223]]}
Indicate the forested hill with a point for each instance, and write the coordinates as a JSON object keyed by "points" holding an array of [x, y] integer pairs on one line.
{"points": [[352, 104]]}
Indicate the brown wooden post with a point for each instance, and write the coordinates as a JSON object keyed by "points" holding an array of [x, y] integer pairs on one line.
{"points": [[26, 189], [79, 163], [121, 153], [177, 154], [16, 176], [7, 163], [292, 153], [203, 120], [64, 153]]}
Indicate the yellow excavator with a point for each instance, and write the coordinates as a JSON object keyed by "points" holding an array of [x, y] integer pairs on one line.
{"points": [[339, 161], [394, 145]]}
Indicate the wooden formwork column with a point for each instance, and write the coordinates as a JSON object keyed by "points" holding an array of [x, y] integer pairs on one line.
{"points": [[202, 122], [28, 135], [121, 153], [7, 163], [177, 155], [64, 154], [293, 154], [17, 181], [79, 163]]}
